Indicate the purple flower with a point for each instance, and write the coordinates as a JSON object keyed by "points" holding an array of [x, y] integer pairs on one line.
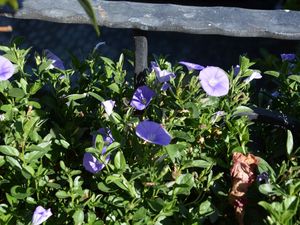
{"points": [[214, 81], [254, 75], [40, 215], [108, 106], [236, 70], [288, 57], [275, 94], [161, 75], [153, 133], [92, 164], [6, 68], [165, 86], [263, 177], [106, 135], [142, 97], [192, 66], [56, 61]]}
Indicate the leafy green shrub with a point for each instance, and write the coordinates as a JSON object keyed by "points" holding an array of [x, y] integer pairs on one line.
{"points": [[85, 146]]}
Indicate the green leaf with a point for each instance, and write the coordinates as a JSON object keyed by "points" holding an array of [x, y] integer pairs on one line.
{"points": [[2, 160], [117, 180], [294, 78], [270, 189], [76, 96], [78, 217], [29, 126], [184, 184], [16, 93], [182, 135], [34, 104], [196, 163], [175, 151], [29, 170], [13, 162], [289, 142], [243, 111], [87, 6], [206, 208], [102, 187], [62, 194], [195, 112], [99, 142], [114, 87], [21, 193], [35, 87], [272, 73], [8, 150], [119, 161], [96, 96]]}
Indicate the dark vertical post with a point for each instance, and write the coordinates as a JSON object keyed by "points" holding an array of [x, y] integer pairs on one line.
{"points": [[141, 57]]}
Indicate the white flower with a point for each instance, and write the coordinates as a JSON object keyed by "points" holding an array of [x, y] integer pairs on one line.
{"points": [[2, 117], [108, 106], [254, 75]]}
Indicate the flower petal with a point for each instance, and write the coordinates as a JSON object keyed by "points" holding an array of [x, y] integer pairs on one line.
{"points": [[6, 68], [165, 86], [91, 164], [153, 132], [214, 81], [192, 66], [56, 61]]}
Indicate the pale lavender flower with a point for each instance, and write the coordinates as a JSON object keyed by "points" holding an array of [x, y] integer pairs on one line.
{"points": [[192, 66], [6, 68], [40, 215], [161, 75], [56, 61], [142, 97], [288, 57], [214, 81], [108, 106], [153, 132], [254, 75], [165, 86], [92, 164]]}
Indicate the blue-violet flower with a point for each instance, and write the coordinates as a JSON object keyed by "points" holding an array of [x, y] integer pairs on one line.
{"points": [[142, 97], [161, 75], [153, 132]]}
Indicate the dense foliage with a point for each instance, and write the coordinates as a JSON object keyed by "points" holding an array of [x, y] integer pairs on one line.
{"points": [[85, 145]]}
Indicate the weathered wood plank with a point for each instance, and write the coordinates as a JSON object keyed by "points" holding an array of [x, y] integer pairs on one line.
{"points": [[169, 17]]}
